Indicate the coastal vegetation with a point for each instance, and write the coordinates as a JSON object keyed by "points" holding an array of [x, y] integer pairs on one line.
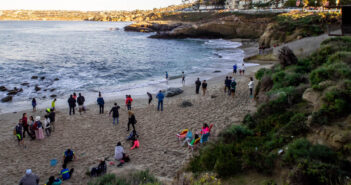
{"points": [[140, 178], [280, 134]]}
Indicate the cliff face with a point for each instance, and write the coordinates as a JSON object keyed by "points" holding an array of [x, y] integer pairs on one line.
{"points": [[233, 26]]}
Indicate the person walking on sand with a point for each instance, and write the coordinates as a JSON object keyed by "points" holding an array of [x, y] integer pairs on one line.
{"points": [[235, 67], [131, 120], [115, 113], [233, 87], [228, 82], [225, 84], [160, 96], [150, 97], [243, 69], [204, 87], [18, 131], [183, 78], [34, 104], [29, 178], [72, 104], [167, 76], [80, 101], [197, 85], [129, 101], [100, 101], [52, 116], [251, 86], [53, 103], [25, 125]]}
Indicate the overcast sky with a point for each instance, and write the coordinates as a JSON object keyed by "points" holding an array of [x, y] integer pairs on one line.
{"points": [[85, 4]]}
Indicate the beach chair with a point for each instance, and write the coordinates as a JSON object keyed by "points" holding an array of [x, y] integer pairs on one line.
{"points": [[182, 134], [188, 138], [193, 145]]}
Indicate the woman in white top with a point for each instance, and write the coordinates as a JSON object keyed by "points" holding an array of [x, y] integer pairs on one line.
{"points": [[251, 85], [119, 151], [242, 69]]}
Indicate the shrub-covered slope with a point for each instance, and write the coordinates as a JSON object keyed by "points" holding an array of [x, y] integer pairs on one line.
{"points": [[276, 136]]}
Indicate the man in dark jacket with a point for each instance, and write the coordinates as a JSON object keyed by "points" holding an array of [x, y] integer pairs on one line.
{"points": [[72, 104], [227, 84], [29, 178], [197, 84], [52, 118], [115, 113], [80, 101], [100, 101]]}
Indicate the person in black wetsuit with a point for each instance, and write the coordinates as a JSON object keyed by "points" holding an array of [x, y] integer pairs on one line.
{"points": [[197, 85], [72, 104]]}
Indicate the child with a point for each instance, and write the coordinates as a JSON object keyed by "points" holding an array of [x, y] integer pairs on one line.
{"points": [[66, 173], [135, 144]]}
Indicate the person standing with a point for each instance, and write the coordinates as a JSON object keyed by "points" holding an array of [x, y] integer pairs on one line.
{"points": [[75, 96], [129, 101], [166, 75], [160, 96], [72, 104], [225, 84], [115, 113], [80, 101], [251, 86], [52, 116], [39, 133], [53, 103], [235, 67], [204, 87], [228, 82], [19, 132], [233, 87], [29, 178], [150, 97], [131, 120], [101, 103], [183, 78], [25, 125], [197, 85], [243, 68], [34, 104]]}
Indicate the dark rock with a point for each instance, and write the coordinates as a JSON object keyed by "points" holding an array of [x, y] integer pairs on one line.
{"points": [[53, 96], [6, 99], [173, 92], [56, 79], [42, 78], [51, 90], [37, 88], [34, 77], [25, 84], [3, 88], [217, 71], [14, 91], [213, 96], [186, 103], [44, 97]]}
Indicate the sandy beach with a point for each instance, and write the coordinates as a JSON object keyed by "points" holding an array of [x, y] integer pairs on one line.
{"points": [[92, 135]]}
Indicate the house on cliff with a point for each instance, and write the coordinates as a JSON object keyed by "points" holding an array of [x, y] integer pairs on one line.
{"points": [[249, 4]]}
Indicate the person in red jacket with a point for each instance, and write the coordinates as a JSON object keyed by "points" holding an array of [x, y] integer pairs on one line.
{"points": [[129, 101]]}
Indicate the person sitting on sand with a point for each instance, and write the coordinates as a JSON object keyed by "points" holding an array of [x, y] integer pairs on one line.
{"points": [[38, 128], [132, 135], [68, 156], [100, 169], [18, 131], [205, 129], [29, 178], [196, 136], [135, 143], [66, 173], [129, 101], [188, 137], [120, 155], [131, 120], [53, 181], [115, 113]]}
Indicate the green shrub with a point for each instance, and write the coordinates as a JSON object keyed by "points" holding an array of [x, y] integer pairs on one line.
{"points": [[137, 178], [341, 56], [297, 149], [249, 121], [296, 126], [320, 117], [235, 132], [334, 71], [261, 72]]}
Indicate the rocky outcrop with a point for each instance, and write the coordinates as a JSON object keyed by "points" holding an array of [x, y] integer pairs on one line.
{"points": [[173, 92], [233, 26], [151, 27], [3, 88], [14, 91], [186, 103], [6, 99]]}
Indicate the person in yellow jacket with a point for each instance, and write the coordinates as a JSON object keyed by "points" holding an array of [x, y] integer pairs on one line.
{"points": [[53, 104]]}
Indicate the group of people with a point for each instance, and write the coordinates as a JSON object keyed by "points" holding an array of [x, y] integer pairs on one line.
{"points": [[191, 139], [241, 69], [198, 84], [34, 128], [72, 103]]}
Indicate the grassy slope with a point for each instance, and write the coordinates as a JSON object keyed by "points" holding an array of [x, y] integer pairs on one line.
{"points": [[282, 123]]}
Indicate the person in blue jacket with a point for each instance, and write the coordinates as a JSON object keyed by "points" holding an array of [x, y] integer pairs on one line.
{"points": [[160, 96], [235, 67], [66, 173], [101, 103]]}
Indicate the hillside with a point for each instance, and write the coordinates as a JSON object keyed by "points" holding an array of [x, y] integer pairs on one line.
{"points": [[300, 133]]}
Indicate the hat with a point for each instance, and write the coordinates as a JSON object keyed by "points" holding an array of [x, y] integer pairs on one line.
{"points": [[37, 118], [28, 171]]}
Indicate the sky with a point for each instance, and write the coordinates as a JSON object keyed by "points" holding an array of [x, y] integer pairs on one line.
{"points": [[85, 4]]}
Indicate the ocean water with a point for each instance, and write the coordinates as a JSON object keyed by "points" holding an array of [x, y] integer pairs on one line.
{"points": [[88, 57]]}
